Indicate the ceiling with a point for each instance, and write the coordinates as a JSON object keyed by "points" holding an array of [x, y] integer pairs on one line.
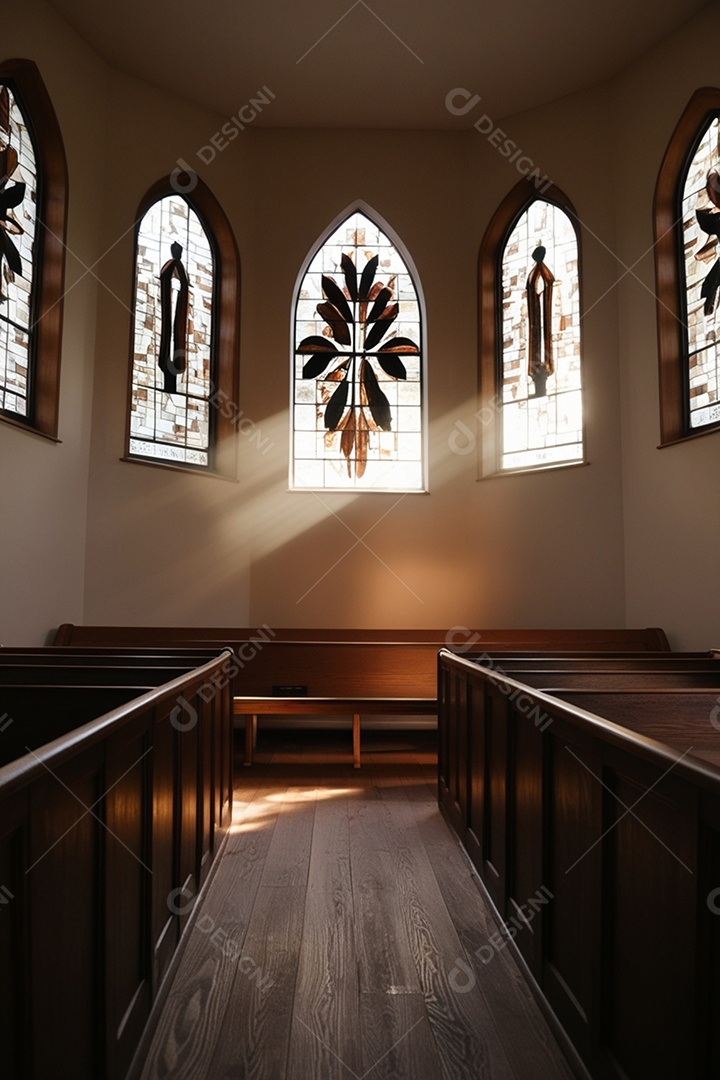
{"points": [[373, 64]]}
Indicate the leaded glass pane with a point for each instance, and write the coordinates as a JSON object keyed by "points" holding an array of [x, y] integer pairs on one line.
{"points": [[18, 203], [542, 414], [357, 375], [170, 402], [700, 211]]}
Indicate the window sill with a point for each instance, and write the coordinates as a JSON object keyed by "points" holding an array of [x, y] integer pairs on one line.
{"points": [[171, 466]]}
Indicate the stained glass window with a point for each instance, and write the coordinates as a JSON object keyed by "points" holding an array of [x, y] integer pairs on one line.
{"points": [[358, 366], [18, 217], [33, 211], [700, 212], [687, 268], [540, 392], [173, 378]]}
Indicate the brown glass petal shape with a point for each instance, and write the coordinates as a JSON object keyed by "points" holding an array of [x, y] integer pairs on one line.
{"points": [[8, 162], [379, 306], [709, 221], [336, 406], [338, 325], [5, 110], [376, 399], [314, 344], [382, 326], [350, 274], [399, 345], [368, 276], [347, 439], [11, 253], [712, 187], [11, 196], [316, 365], [392, 365], [361, 444], [336, 297]]}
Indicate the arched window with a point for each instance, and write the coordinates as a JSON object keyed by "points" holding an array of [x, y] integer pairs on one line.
{"points": [[183, 392], [357, 378], [530, 360], [687, 262], [33, 204]]}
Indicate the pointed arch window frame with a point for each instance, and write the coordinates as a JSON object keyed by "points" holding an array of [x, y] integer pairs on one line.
{"points": [[360, 206], [26, 83], [490, 355], [225, 374], [673, 384]]}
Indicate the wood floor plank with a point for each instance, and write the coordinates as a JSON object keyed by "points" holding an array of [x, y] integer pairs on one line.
{"points": [[397, 1041], [259, 1014], [385, 963], [325, 1037], [463, 1028], [509, 999], [192, 1020], [288, 856], [327, 943]]}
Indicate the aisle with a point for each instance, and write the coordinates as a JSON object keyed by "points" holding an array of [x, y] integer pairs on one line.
{"points": [[343, 935]]}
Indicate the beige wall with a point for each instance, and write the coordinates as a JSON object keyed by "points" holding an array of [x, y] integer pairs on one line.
{"points": [[672, 509], [545, 550], [505, 552], [43, 485]]}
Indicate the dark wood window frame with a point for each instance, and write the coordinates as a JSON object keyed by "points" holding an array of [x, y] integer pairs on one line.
{"points": [[24, 80], [225, 411], [503, 221], [672, 336]]}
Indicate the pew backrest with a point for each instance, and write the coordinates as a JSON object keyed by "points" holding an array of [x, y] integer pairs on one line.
{"points": [[351, 663]]}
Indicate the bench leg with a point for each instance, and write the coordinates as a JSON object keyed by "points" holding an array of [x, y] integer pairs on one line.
{"points": [[356, 740], [250, 738]]}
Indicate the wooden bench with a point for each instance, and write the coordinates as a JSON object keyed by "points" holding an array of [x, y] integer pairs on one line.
{"points": [[252, 708], [108, 828], [345, 673], [588, 799], [457, 638]]}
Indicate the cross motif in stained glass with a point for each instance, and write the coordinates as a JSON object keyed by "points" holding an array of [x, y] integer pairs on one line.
{"points": [[357, 376]]}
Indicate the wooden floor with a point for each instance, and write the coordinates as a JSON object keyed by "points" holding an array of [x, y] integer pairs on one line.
{"points": [[343, 934]]}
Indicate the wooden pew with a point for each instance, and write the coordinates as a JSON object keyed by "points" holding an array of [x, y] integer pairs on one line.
{"points": [[301, 673], [67, 656], [676, 717], [106, 835], [32, 715], [457, 638], [585, 678], [593, 818], [513, 662]]}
